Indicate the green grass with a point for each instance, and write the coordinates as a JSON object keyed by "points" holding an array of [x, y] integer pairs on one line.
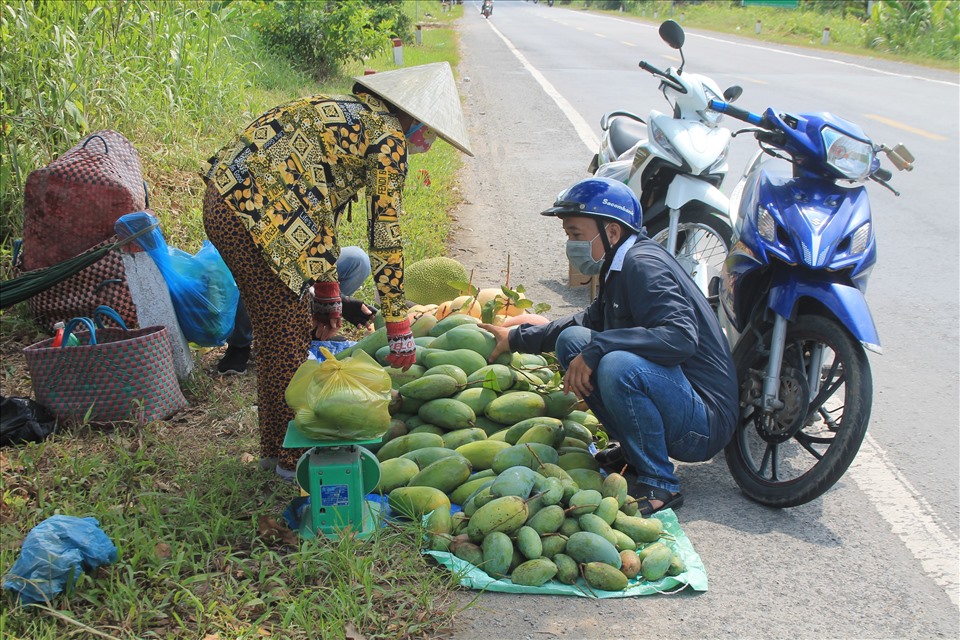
{"points": [[198, 548], [184, 499], [849, 34]]}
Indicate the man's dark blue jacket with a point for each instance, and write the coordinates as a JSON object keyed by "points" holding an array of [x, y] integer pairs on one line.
{"points": [[652, 308]]}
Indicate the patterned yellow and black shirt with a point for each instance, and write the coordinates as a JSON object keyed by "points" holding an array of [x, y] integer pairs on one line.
{"points": [[294, 169]]}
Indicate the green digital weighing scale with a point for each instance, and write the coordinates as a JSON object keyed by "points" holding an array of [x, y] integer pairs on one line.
{"points": [[337, 474]]}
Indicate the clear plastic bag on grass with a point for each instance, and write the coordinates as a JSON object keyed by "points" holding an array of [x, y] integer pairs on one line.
{"points": [[340, 399]]}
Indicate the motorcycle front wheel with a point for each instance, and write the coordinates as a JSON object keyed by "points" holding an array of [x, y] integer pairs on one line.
{"points": [[795, 454], [703, 241]]}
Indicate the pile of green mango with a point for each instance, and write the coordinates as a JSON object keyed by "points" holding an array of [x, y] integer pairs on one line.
{"points": [[534, 523], [504, 441]]}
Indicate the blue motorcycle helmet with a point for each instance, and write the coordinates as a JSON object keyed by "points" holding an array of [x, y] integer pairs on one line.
{"points": [[601, 198]]}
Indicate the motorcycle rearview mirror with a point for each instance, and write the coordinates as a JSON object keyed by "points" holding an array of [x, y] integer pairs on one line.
{"points": [[732, 93], [901, 158], [672, 34]]}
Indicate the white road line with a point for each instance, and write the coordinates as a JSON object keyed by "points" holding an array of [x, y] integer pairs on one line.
{"points": [[903, 507], [584, 130], [909, 515]]}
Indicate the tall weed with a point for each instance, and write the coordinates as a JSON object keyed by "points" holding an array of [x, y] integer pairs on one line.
{"points": [[930, 28], [162, 70]]}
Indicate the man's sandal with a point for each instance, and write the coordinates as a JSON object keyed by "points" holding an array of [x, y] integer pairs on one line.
{"points": [[611, 458], [644, 493]]}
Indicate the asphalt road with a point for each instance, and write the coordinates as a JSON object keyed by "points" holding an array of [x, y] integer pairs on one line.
{"points": [[877, 556]]}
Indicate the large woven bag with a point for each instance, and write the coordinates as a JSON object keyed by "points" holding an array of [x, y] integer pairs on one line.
{"points": [[72, 203], [69, 207], [114, 374], [104, 283]]}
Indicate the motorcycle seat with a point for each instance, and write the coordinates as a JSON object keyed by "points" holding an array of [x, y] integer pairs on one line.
{"points": [[624, 133]]}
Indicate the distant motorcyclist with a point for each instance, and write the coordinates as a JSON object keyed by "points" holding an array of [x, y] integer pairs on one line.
{"points": [[487, 8]]}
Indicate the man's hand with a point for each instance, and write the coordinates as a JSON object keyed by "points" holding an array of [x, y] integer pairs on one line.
{"points": [[577, 378], [502, 334]]}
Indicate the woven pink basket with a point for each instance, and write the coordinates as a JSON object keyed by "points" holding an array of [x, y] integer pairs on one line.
{"points": [[125, 375]]}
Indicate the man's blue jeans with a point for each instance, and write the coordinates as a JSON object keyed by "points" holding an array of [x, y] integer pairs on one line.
{"points": [[353, 267], [651, 409]]}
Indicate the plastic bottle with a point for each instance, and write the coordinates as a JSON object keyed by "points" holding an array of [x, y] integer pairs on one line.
{"points": [[72, 341]]}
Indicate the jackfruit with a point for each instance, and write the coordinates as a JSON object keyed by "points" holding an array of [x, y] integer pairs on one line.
{"points": [[427, 281]]}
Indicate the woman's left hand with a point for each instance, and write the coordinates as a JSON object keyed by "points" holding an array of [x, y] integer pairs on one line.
{"points": [[325, 329]]}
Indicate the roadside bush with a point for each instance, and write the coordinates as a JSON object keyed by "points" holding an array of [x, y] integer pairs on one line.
{"points": [[320, 36], [916, 26]]}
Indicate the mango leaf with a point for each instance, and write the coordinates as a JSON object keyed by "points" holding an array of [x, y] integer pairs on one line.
{"points": [[523, 303], [464, 287], [510, 293], [490, 382], [520, 289], [541, 308], [489, 310]]}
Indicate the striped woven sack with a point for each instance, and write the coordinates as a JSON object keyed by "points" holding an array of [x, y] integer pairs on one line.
{"points": [[102, 283], [113, 374], [73, 202]]}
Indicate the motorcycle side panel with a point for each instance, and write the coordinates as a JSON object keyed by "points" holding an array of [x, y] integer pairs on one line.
{"points": [[684, 189], [699, 145], [846, 302]]}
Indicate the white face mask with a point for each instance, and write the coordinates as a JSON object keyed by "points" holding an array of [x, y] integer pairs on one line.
{"points": [[580, 255]]}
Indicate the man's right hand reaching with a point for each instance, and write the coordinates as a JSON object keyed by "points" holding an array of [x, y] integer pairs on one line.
{"points": [[502, 334]]}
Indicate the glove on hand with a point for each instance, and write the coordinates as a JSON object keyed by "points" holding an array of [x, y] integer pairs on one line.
{"points": [[353, 311], [327, 305], [403, 350]]}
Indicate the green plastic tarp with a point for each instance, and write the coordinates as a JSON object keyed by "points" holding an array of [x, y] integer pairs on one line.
{"points": [[695, 576]]}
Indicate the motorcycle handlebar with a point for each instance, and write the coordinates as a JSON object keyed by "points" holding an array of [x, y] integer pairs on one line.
{"points": [[739, 114], [646, 66], [883, 174]]}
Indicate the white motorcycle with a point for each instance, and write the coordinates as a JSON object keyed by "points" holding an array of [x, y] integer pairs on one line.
{"points": [[676, 166]]}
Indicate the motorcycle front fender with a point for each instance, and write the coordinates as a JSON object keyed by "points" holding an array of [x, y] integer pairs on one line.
{"points": [[684, 189], [845, 302]]}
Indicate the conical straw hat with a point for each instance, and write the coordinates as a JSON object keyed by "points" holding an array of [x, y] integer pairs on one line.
{"points": [[428, 93]]}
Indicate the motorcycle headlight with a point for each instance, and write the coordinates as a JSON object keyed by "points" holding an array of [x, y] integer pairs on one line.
{"points": [[849, 156], [710, 116], [661, 139], [766, 224], [860, 238], [719, 161]]}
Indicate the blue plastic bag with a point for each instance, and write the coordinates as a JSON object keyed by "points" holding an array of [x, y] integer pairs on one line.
{"points": [[333, 346], [54, 554], [204, 293]]}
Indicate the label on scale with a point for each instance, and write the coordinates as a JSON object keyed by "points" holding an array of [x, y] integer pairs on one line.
{"points": [[334, 495]]}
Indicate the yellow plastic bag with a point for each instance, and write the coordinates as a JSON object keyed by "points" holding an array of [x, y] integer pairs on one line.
{"points": [[340, 399]]}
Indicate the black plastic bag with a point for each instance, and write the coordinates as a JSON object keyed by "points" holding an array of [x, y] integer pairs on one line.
{"points": [[23, 420]]}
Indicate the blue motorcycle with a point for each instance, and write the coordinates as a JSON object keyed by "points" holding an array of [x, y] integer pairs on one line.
{"points": [[792, 292]]}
